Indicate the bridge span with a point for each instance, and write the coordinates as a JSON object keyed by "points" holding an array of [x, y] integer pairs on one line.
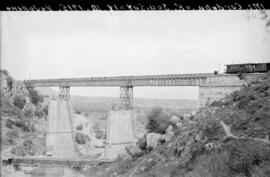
{"points": [[126, 83], [145, 80]]}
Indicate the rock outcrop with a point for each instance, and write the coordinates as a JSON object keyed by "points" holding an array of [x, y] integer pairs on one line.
{"points": [[10, 86]]}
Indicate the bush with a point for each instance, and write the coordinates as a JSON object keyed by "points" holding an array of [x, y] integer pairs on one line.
{"points": [[26, 149], [9, 123], [216, 103], [158, 121], [18, 112], [81, 138], [5, 72], [213, 165], [211, 128], [79, 127], [29, 110], [34, 96], [25, 125], [45, 109], [142, 144], [6, 105], [77, 112], [100, 134], [241, 76], [10, 82], [12, 134], [261, 170], [124, 165], [18, 151], [19, 101], [244, 154], [39, 111], [27, 143]]}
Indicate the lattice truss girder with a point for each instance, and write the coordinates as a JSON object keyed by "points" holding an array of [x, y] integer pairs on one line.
{"points": [[64, 92], [126, 97]]}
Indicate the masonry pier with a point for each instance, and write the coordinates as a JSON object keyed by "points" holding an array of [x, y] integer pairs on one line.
{"points": [[121, 132], [59, 138]]}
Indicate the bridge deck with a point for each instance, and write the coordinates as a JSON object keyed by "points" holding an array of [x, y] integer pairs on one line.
{"points": [[146, 80]]}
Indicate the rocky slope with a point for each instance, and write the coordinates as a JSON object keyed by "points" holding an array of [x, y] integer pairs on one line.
{"points": [[23, 119], [229, 138]]}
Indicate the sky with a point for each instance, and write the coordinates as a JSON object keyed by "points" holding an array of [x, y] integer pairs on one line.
{"points": [[42, 45]]}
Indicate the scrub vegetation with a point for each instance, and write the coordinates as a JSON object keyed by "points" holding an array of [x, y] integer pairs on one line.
{"points": [[229, 138]]}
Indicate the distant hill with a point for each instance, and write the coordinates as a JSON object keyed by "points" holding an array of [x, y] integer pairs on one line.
{"points": [[84, 103], [167, 103]]}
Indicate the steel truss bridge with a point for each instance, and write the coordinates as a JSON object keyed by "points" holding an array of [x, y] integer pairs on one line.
{"points": [[126, 83], [17, 162]]}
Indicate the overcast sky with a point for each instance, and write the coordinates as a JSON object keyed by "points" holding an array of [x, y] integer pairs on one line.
{"points": [[84, 44]]}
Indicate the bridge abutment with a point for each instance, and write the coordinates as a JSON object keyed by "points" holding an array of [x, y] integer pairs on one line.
{"points": [[208, 94], [218, 86], [121, 132]]}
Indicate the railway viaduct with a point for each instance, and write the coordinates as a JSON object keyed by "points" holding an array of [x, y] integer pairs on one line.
{"points": [[121, 123]]}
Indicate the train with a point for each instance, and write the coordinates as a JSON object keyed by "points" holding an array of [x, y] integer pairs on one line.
{"points": [[247, 68]]}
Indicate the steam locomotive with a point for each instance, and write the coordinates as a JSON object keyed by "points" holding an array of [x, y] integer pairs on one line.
{"points": [[247, 68]]}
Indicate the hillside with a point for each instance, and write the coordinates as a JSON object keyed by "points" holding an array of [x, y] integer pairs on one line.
{"points": [[229, 138], [23, 119]]}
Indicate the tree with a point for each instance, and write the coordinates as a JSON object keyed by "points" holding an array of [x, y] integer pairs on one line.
{"points": [[19, 101], [9, 82], [79, 127], [34, 96], [81, 138], [5, 72], [158, 121], [29, 110]]}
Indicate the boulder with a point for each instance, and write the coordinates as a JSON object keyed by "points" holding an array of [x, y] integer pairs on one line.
{"points": [[179, 125], [169, 133], [186, 116], [169, 130], [193, 113], [152, 139], [174, 119], [134, 150]]}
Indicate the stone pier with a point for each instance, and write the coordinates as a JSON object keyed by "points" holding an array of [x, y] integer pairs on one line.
{"points": [[121, 132], [59, 142]]}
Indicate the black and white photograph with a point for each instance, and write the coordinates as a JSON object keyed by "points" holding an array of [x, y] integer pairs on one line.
{"points": [[126, 93]]}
